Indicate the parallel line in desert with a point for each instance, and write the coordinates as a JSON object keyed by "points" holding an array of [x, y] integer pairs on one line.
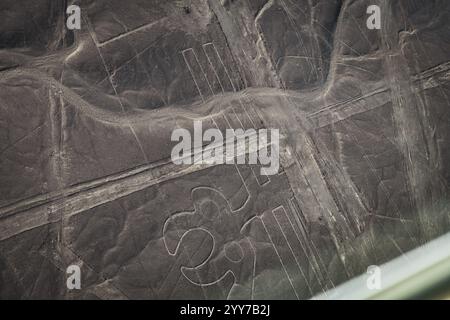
{"points": [[38, 211]]}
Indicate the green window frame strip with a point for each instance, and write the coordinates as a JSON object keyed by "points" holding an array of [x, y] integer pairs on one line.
{"points": [[422, 273]]}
